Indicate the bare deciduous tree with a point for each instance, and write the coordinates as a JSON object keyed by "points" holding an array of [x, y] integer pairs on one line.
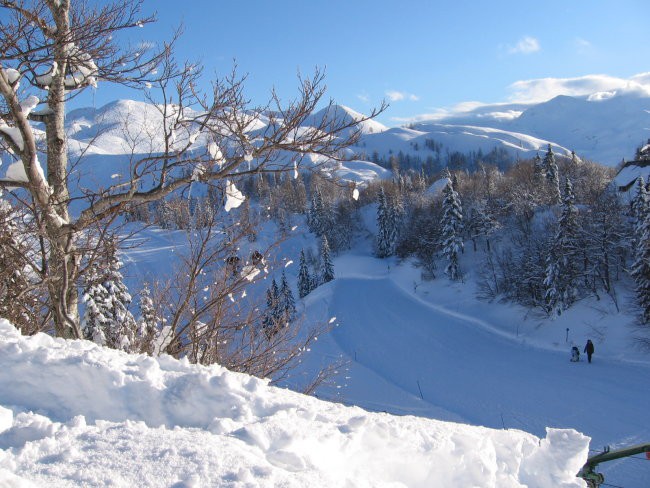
{"points": [[50, 50]]}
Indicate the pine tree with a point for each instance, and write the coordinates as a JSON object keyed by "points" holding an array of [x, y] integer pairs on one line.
{"points": [[316, 216], [148, 324], [304, 279], [107, 320], [641, 267], [562, 272], [451, 223], [272, 316], [639, 202], [286, 301], [386, 225], [552, 176], [327, 268], [121, 331], [96, 317]]}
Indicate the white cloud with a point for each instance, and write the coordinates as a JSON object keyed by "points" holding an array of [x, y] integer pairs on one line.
{"points": [[527, 92], [542, 89], [479, 110], [398, 96], [364, 97], [525, 45]]}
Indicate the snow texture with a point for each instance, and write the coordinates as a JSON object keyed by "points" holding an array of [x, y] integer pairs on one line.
{"points": [[106, 417], [234, 198], [12, 75]]}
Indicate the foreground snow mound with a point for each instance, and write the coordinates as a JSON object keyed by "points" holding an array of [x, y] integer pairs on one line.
{"points": [[76, 414]]}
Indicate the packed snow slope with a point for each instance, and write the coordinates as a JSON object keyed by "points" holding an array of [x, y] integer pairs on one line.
{"points": [[433, 349], [75, 414]]}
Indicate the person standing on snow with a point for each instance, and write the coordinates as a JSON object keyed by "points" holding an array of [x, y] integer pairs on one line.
{"points": [[589, 349]]}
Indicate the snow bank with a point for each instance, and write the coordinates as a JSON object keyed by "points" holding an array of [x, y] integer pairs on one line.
{"points": [[76, 414]]}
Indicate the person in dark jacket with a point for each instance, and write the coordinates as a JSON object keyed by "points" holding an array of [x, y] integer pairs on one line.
{"points": [[589, 349]]}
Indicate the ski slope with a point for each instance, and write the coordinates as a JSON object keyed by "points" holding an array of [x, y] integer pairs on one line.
{"points": [[415, 352]]}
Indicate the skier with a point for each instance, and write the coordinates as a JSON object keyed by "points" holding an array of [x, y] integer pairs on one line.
{"points": [[589, 349], [575, 354]]}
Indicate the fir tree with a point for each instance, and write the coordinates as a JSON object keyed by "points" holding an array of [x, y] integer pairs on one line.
{"points": [[562, 272], [121, 331], [386, 225], [107, 320], [316, 214], [639, 202], [96, 317], [304, 279], [327, 268], [641, 267], [552, 176], [286, 302], [451, 223], [148, 324], [273, 315]]}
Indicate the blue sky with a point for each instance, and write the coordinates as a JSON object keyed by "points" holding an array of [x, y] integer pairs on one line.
{"points": [[419, 55]]}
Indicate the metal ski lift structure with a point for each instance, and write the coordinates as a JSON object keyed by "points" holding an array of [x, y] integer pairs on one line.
{"points": [[594, 479]]}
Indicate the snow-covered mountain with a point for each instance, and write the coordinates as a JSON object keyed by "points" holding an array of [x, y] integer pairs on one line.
{"points": [[602, 127], [345, 115]]}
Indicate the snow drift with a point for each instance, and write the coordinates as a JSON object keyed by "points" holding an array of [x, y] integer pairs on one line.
{"points": [[76, 414]]}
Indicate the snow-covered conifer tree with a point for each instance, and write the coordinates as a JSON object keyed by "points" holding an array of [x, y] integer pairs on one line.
{"points": [[386, 226], [451, 223], [107, 320], [96, 317], [273, 315], [327, 268], [641, 267], [121, 331], [148, 323], [639, 202], [552, 176], [286, 301], [562, 271], [304, 279], [315, 216]]}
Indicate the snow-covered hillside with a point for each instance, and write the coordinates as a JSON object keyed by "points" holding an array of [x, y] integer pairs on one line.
{"points": [[456, 138], [346, 115], [603, 127], [110, 136], [75, 414]]}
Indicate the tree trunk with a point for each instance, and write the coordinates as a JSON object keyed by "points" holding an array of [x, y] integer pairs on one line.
{"points": [[63, 287], [63, 265]]}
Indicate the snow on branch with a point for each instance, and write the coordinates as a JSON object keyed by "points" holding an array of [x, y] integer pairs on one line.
{"points": [[234, 198]]}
